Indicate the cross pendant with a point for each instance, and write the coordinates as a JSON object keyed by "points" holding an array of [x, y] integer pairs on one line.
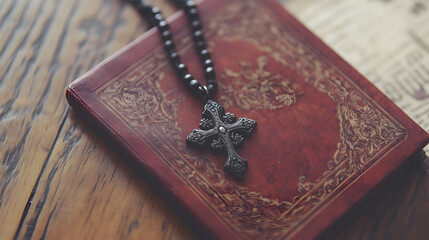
{"points": [[223, 133]]}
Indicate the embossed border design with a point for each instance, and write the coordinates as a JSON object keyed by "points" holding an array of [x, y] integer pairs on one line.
{"points": [[367, 131]]}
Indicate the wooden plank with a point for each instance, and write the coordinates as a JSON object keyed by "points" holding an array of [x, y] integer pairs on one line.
{"points": [[69, 38], [87, 192], [44, 45], [27, 124]]}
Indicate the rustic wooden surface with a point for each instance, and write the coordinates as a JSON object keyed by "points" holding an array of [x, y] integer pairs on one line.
{"points": [[58, 179]]}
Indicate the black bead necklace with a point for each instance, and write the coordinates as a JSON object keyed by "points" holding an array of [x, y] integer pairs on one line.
{"points": [[153, 14], [221, 132]]}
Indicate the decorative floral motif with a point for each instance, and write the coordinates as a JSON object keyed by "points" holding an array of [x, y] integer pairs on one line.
{"points": [[366, 130], [237, 139], [237, 165], [217, 146], [229, 118], [140, 101], [256, 88], [206, 124]]}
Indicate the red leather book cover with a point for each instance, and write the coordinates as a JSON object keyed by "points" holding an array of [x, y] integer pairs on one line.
{"points": [[326, 137]]}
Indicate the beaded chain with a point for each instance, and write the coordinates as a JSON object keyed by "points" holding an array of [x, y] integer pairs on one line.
{"points": [[219, 131], [153, 14]]}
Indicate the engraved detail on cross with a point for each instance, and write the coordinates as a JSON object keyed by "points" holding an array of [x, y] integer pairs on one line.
{"points": [[223, 134]]}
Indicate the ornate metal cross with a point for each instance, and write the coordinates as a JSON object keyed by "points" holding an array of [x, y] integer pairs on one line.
{"points": [[223, 133]]}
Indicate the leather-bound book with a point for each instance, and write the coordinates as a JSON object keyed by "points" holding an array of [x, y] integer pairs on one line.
{"points": [[326, 138]]}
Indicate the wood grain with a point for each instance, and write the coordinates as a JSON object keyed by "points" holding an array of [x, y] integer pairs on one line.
{"points": [[58, 179], [88, 187], [53, 172]]}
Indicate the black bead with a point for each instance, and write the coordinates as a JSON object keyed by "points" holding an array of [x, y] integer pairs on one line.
{"points": [[189, 4], [208, 63], [198, 36], [201, 93], [193, 13], [181, 69], [155, 10], [204, 54], [166, 35], [163, 25], [200, 45], [194, 85], [159, 17], [187, 78], [169, 45], [196, 25], [210, 74], [212, 88], [174, 58]]}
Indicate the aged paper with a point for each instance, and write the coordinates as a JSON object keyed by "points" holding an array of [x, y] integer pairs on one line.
{"points": [[386, 40]]}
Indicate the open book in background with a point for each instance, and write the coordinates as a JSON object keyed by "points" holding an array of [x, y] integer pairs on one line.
{"points": [[326, 137], [387, 41]]}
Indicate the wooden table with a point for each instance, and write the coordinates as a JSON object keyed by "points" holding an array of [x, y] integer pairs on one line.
{"points": [[59, 180]]}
